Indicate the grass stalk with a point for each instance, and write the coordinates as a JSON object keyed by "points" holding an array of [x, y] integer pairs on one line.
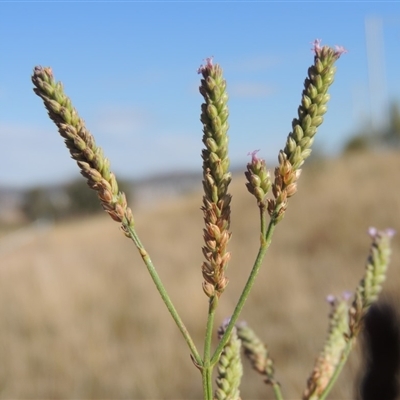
{"points": [[265, 243], [206, 373], [207, 367], [276, 387], [164, 295], [96, 169]]}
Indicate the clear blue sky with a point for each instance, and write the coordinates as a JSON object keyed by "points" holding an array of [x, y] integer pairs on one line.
{"points": [[130, 69]]}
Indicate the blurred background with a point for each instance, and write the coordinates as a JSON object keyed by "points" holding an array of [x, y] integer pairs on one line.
{"points": [[79, 316]]}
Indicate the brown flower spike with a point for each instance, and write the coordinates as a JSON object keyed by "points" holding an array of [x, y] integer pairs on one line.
{"points": [[82, 147], [216, 178]]}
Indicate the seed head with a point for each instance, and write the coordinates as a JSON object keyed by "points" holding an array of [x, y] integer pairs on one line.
{"points": [[82, 147], [216, 178], [312, 107]]}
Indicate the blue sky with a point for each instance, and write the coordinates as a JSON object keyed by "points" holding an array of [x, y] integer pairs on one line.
{"points": [[130, 69]]}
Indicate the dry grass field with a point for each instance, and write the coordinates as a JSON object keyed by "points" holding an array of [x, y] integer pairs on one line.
{"points": [[80, 318]]}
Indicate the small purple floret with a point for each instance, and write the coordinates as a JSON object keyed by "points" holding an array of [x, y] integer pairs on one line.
{"points": [[316, 45], [331, 299], [390, 232], [372, 232], [340, 50], [208, 64], [223, 327], [346, 295], [225, 322], [253, 155]]}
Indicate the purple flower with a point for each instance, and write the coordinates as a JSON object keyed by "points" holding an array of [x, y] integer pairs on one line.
{"points": [[331, 299], [390, 232], [372, 232], [222, 328], [346, 295], [340, 50], [208, 64], [253, 155], [316, 45]]}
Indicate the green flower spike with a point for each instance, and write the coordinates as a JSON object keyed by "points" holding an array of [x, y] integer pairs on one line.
{"points": [[216, 178], [346, 321], [375, 274], [259, 180], [335, 344], [230, 368], [310, 115], [257, 352], [82, 147]]}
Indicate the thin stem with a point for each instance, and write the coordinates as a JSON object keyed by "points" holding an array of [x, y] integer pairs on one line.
{"points": [[164, 295], [207, 368], [265, 243], [263, 227], [338, 369], [209, 329], [277, 391], [207, 383]]}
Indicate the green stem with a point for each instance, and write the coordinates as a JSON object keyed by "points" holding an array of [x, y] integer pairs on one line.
{"points": [[263, 219], [207, 368], [265, 243], [164, 295], [207, 383], [277, 391], [338, 369]]}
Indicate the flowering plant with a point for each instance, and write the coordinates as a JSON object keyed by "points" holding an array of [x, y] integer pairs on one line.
{"points": [[347, 313]]}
